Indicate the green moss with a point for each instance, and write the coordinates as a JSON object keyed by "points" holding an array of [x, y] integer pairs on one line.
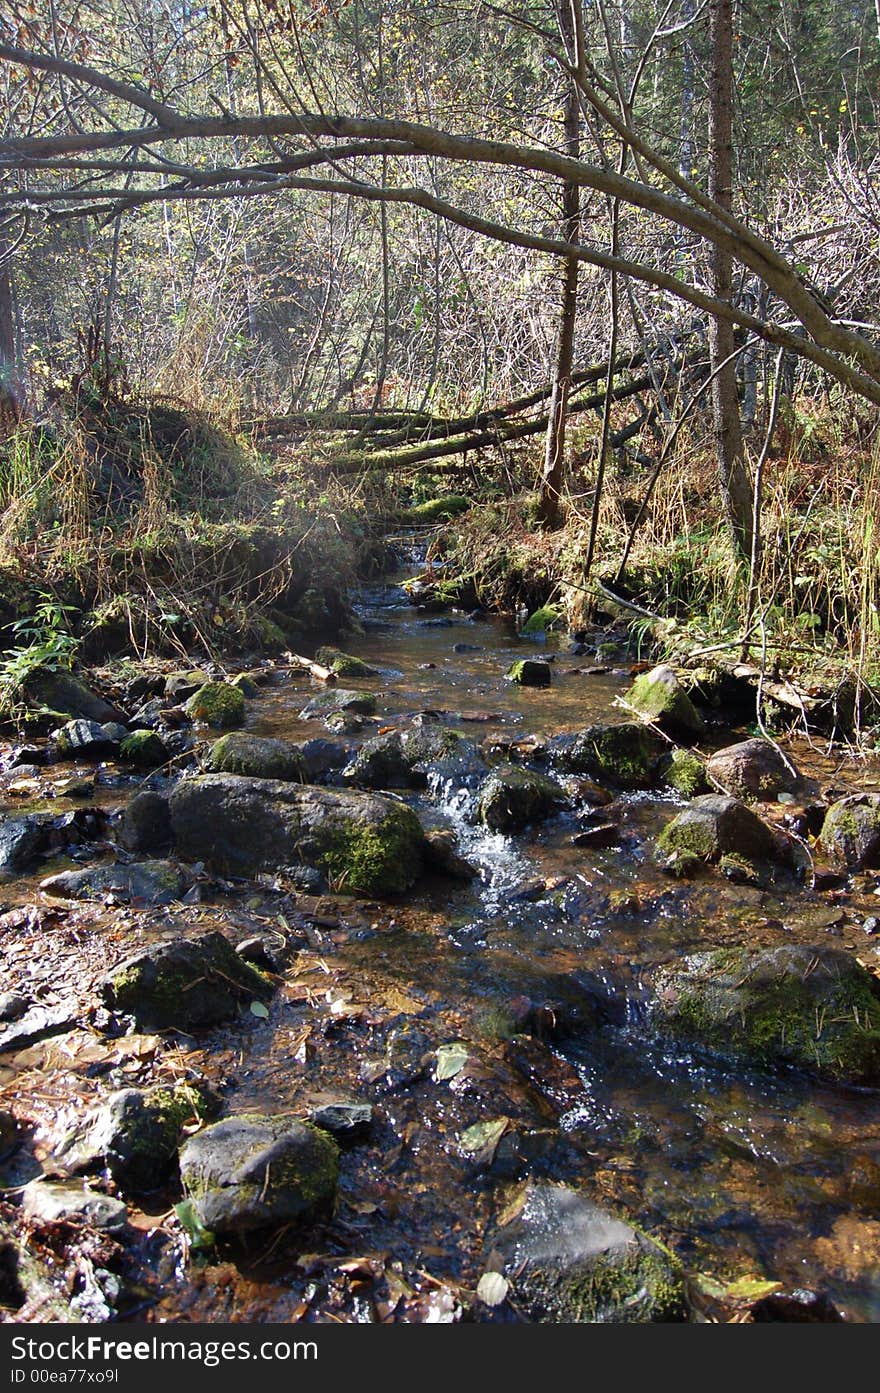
{"points": [[643, 1284], [547, 617], [271, 635], [343, 664], [143, 748], [256, 758], [623, 753], [687, 774], [377, 859], [246, 685], [217, 704], [695, 836], [435, 510]]}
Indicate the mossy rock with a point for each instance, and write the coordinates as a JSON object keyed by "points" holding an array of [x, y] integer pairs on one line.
{"points": [[179, 686], [135, 1135], [815, 1008], [251, 1171], [363, 842], [443, 509], [407, 759], [245, 684], [530, 672], [625, 754], [513, 797], [144, 749], [850, 834], [184, 984], [335, 699], [255, 756], [686, 773], [713, 826], [547, 617], [271, 635], [140, 883], [217, 704], [568, 1260], [65, 695], [344, 664], [660, 698]]}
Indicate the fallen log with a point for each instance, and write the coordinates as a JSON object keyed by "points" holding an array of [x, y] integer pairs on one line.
{"points": [[316, 670]]}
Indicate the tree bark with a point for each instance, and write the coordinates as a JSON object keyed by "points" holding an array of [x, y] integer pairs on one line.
{"points": [[549, 510], [10, 386], [733, 476]]}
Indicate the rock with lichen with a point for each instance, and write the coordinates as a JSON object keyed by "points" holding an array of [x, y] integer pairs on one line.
{"points": [[184, 983], [251, 1171]]}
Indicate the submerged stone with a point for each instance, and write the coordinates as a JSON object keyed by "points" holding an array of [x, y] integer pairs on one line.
{"points": [[335, 699], [361, 841], [250, 1171], [51, 1201], [218, 704], [513, 797], [568, 1260], [137, 883], [813, 1007], [408, 758], [184, 983]]}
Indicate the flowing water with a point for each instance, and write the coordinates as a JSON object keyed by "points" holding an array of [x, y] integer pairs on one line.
{"points": [[744, 1173]]}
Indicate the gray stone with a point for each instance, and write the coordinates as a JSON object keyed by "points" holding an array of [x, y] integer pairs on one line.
{"points": [[50, 1201], [64, 694], [140, 883], [339, 699], [625, 754], [530, 672], [713, 826], [850, 833], [82, 739], [38, 1023], [752, 769], [256, 757], [146, 824], [250, 1171], [361, 841], [346, 1121], [22, 841], [660, 698], [184, 983]]}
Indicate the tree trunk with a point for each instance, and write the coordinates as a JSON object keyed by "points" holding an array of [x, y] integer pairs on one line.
{"points": [[549, 500], [732, 473], [10, 386]]}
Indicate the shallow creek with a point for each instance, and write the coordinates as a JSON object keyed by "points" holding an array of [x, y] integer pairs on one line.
{"points": [[743, 1173]]}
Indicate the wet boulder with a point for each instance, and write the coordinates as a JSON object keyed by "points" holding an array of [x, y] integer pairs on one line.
{"points": [[513, 797], [361, 841], [335, 699], [753, 769], [22, 841], [82, 739], [660, 698], [146, 824], [714, 827], [323, 759], [65, 695], [53, 1201], [217, 704], [541, 620], [256, 757], [144, 749], [134, 1135], [344, 664], [138, 883], [410, 758], [530, 672], [850, 834], [184, 983], [250, 1171], [568, 1260], [441, 854], [624, 755], [815, 1008]]}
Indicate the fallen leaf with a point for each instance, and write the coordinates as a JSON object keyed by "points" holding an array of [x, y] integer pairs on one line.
{"points": [[492, 1288], [258, 1009], [451, 1059]]}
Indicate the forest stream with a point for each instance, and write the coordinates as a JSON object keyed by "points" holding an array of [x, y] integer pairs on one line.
{"points": [[496, 1028]]}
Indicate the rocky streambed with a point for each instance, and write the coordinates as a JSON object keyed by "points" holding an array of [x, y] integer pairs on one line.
{"points": [[449, 989]]}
